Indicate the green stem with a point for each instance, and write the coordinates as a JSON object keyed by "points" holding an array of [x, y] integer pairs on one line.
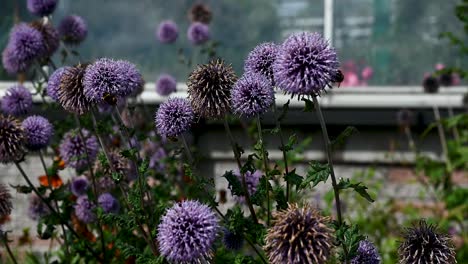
{"points": [[443, 143], [5, 242], [336, 190], [239, 165], [265, 165], [187, 149], [285, 157]]}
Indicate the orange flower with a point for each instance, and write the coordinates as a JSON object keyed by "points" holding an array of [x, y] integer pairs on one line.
{"points": [[55, 181]]}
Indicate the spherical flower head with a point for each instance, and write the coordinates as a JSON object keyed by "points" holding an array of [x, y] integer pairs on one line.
{"points": [[11, 140], [38, 131], [119, 162], [12, 63], [26, 44], [73, 29], [50, 36], [79, 186], [106, 184], [187, 232], [84, 209], [425, 244], [37, 208], [299, 235], [198, 33], [232, 240], [252, 95], [107, 78], [200, 12], [209, 89], [366, 254], [5, 201], [108, 203], [251, 179], [166, 84], [42, 7], [73, 149], [53, 85], [305, 64], [431, 84], [174, 117], [71, 93], [17, 101], [260, 60], [167, 32]]}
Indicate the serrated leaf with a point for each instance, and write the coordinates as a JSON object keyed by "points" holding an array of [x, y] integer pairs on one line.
{"points": [[129, 153], [309, 105], [357, 187], [316, 173], [290, 145], [260, 195], [22, 188], [235, 185], [343, 136], [280, 198], [293, 178]]}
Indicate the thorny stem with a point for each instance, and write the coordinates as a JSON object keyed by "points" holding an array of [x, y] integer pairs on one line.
{"points": [[239, 165], [265, 165], [4, 238], [336, 191], [52, 210], [285, 158], [49, 183], [93, 178]]}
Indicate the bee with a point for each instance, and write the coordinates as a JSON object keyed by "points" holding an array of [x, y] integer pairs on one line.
{"points": [[338, 78], [110, 99]]}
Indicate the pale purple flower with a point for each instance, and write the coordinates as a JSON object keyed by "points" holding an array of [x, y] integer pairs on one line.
{"points": [[84, 209], [198, 33], [260, 60], [366, 254], [251, 179], [74, 151], [306, 65], [187, 232], [174, 117], [79, 185], [166, 84], [17, 101], [167, 32], [50, 36], [108, 203], [42, 7], [73, 29], [38, 132], [53, 85], [37, 208], [252, 95]]}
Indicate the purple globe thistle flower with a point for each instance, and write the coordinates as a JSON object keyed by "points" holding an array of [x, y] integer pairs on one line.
{"points": [[73, 150], [425, 244], [79, 186], [187, 232], [12, 63], [200, 12], [17, 101], [38, 131], [251, 179], [73, 30], [106, 184], [299, 235], [366, 254], [166, 84], [84, 209], [53, 85], [37, 208], [11, 140], [260, 60], [108, 203], [42, 7], [174, 117], [70, 93], [209, 89], [305, 65], [5, 201], [25, 45], [252, 95], [167, 32], [107, 78], [50, 36], [431, 84], [232, 240], [119, 162], [198, 33]]}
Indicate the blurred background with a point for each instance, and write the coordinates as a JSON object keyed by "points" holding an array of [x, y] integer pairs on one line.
{"points": [[398, 40]]}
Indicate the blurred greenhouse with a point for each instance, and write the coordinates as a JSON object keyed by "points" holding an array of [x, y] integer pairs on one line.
{"points": [[234, 131]]}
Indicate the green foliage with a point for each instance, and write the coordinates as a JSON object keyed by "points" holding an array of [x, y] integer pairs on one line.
{"points": [[316, 173], [357, 187], [343, 136]]}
